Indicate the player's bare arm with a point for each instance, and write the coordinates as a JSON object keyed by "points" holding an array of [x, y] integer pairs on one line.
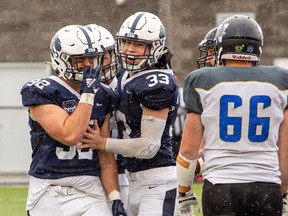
{"points": [[283, 152], [109, 173], [192, 136], [189, 148], [67, 129]]}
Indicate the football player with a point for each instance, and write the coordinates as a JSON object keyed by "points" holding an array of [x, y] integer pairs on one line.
{"points": [[145, 114], [108, 77], [63, 179], [206, 48], [240, 109]]}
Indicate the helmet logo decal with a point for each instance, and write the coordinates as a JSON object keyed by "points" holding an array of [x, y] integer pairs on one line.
{"points": [[221, 32], [250, 49], [162, 32], [239, 48], [56, 47], [241, 57]]}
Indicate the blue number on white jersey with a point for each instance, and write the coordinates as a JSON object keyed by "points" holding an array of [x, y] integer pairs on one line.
{"points": [[255, 122]]}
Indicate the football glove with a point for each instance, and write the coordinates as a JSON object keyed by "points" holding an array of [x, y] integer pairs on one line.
{"points": [[118, 208], [91, 80], [284, 210], [186, 201]]}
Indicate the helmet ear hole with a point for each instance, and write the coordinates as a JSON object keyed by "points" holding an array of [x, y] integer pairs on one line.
{"points": [[56, 62]]}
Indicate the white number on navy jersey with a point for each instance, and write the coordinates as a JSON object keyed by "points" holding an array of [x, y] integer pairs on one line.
{"points": [[160, 78], [39, 83], [69, 155], [121, 117], [231, 127]]}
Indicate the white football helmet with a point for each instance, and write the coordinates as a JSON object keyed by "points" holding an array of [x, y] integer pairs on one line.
{"points": [[142, 27], [73, 41], [107, 43]]}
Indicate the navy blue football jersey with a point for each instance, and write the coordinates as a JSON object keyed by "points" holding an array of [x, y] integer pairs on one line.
{"points": [[50, 158], [155, 90]]}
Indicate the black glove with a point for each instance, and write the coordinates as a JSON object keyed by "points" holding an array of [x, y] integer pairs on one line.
{"points": [[91, 80], [118, 208]]}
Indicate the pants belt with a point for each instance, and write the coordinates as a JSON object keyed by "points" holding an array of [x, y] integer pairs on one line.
{"points": [[150, 173], [63, 190]]}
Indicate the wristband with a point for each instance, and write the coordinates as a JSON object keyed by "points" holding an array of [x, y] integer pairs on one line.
{"points": [[114, 195], [185, 170], [284, 196], [87, 98]]}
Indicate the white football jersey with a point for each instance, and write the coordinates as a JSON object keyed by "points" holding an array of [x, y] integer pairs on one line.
{"points": [[241, 111]]}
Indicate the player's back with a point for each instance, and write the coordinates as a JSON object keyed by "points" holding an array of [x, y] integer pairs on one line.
{"points": [[241, 111]]}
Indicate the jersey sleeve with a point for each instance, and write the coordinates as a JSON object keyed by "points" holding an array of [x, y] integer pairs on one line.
{"points": [[157, 91], [37, 92], [191, 97]]}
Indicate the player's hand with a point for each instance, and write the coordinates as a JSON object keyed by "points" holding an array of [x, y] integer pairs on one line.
{"points": [[284, 210], [186, 201], [92, 138], [118, 208], [91, 80]]}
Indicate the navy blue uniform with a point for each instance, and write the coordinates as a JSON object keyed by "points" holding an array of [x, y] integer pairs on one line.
{"points": [[50, 158], [155, 90]]}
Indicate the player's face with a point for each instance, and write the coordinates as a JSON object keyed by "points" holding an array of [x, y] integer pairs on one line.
{"points": [[210, 58], [107, 60], [80, 63], [106, 65], [135, 48]]}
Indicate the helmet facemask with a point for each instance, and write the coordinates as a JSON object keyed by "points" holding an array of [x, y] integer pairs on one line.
{"points": [[75, 74], [109, 69], [207, 51]]}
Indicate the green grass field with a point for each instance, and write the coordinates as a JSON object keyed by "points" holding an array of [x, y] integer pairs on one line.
{"points": [[13, 199]]}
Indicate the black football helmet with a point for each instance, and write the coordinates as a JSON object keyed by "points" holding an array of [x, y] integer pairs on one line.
{"points": [[204, 46], [240, 38]]}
